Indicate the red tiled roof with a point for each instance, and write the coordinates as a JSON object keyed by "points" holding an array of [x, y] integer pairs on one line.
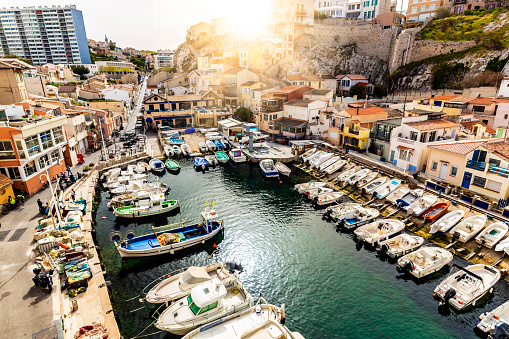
{"points": [[470, 126], [499, 148], [461, 148], [428, 125], [356, 77], [291, 88], [4, 181], [365, 111], [295, 77], [484, 101], [445, 97], [461, 100]]}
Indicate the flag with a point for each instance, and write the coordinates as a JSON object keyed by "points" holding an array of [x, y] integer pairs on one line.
{"points": [[212, 204], [206, 202]]}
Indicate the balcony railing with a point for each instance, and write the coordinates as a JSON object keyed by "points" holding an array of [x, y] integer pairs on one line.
{"points": [[477, 165], [406, 141], [301, 12], [504, 172]]}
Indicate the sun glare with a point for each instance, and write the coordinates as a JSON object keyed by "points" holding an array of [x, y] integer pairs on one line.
{"points": [[248, 19]]}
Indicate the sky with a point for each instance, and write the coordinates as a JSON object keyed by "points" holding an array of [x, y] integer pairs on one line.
{"points": [[145, 24]]}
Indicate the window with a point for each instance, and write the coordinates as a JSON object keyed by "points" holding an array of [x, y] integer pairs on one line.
{"points": [[6, 150], [423, 136], [434, 166], [478, 108], [19, 146], [494, 185], [454, 171], [46, 140], [432, 7], [58, 135], [29, 168], [192, 305], [43, 161], [494, 162], [432, 136], [55, 155], [413, 136], [414, 10], [402, 154], [32, 144], [478, 181], [423, 8], [11, 172]]}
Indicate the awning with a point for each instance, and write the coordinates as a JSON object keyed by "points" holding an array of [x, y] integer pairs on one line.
{"points": [[72, 142], [148, 120], [176, 117], [405, 148]]}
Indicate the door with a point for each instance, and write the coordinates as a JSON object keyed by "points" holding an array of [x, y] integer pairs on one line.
{"points": [[443, 170], [392, 156], [467, 177]]}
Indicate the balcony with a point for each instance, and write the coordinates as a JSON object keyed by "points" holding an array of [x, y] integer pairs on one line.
{"points": [[301, 12], [457, 2], [504, 172], [477, 165], [406, 141]]}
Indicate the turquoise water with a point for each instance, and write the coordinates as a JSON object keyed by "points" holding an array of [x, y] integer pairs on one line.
{"points": [[332, 287]]}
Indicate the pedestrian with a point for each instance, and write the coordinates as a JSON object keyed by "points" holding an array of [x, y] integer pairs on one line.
{"points": [[73, 195], [12, 202], [41, 208]]}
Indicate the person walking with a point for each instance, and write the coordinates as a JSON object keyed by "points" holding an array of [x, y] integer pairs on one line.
{"points": [[41, 208], [73, 195]]}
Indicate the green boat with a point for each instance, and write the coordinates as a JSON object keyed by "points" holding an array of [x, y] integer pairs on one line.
{"points": [[156, 204], [222, 157], [172, 165]]}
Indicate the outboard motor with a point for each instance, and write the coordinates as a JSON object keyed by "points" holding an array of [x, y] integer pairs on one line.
{"points": [[327, 213], [43, 279], [407, 267], [501, 330], [385, 248], [447, 296]]}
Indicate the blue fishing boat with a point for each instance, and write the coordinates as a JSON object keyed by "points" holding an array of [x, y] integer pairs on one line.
{"points": [[219, 144], [226, 144], [200, 163], [268, 168], [170, 238], [156, 165]]}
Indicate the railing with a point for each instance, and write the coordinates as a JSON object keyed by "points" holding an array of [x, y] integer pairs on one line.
{"points": [[477, 165], [300, 12], [353, 131], [504, 172], [406, 141]]}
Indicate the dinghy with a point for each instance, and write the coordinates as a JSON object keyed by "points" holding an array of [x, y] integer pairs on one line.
{"points": [[436, 211], [301, 188], [367, 179], [307, 154], [200, 163], [352, 180], [312, 157], [357, 216], [420, 205], [320, 160], [156, 165], [172, 165], [222, 157], [203, 147], [448, 221], [465, 285], [186, 150], [313, 192], [424, 261], [125, 183], [379, 230], [283, 169], [409, 197], [176, 286], [210, 145], [334, 212], [219, 145], [212, 160], [324, 199], [468, 228], [492, 234], [123, 180], [401, 245], [262, 321], [154, 205], [268, 169], [206, 303], [142, 167], [237, 156], [335, 167], [328, 163], [386, 189], [488, 321], [168, 150], [346, 174], [373, 185], [176, 150]]}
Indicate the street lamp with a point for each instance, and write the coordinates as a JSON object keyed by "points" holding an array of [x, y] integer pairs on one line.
{"points": [[53, 197]]}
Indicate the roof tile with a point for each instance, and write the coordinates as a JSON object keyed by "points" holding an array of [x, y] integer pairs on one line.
{"points": [[428, 125]]}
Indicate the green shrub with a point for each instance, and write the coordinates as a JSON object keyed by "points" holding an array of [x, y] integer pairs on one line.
{"points": [[91, 164], [85, 168]]}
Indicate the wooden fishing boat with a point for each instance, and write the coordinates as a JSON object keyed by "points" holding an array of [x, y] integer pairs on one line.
{"points": [[154, 205], [436, 211], [283, 169], [172, 165], [222, 157]]}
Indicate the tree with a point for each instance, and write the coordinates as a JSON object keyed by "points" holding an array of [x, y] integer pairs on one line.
{"points": [[442, 13], [359, 90], [379, 91], [244, 114], [125, 70], [14, 56], [112, 46], [81, 71]]}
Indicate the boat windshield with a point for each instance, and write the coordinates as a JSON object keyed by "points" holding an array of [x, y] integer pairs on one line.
{"points": [[192, 305]]}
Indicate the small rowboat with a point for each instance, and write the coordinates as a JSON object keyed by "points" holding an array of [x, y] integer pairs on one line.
{"points": [[172, 165], [222, 157], [436, 211], [210, 144], [283, 169], [200, 163], [186, 150], [203, 147]]}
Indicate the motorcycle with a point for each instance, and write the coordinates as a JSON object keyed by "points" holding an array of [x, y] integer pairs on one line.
{"points": [[43, 280]]}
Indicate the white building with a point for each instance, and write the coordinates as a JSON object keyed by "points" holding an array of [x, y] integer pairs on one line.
{"points": [[163, 58], [334, 8], [310, 111], [117, 94], [116, 64]]}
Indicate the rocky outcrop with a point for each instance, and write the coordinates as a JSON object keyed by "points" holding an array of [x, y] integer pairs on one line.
{"points": [[185, 58]]}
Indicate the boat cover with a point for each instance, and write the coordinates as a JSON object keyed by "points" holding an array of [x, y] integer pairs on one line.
{"points": [[193, 275]]}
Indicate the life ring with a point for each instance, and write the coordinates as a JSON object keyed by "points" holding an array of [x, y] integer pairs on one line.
{"points": [[212, 212]]}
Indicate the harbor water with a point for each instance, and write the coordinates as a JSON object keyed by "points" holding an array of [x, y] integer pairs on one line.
{"points": [[331, 286]]}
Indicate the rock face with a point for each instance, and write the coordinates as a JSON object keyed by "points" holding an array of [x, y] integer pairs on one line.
{"points": [[185, 58]]}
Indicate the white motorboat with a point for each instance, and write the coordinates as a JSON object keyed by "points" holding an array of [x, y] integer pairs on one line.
{"points": [[262, 321], [125, 183], [237, 156], [397, 194], [357, 216], [301, 188], [203, 147], [157, 165], [373, 185], [424, 261], [211, 159], [421, 205], [210, 145], [334, 212], [136, 186], [314, 192], [492, 234], [176, 286], [446, 222], [384, 190], [207, 302], [324, 199], [283, 169], [168, 150], [465, 285], [346, 174], [307, 154], [379, 230], [129, 198], [186, 150], [176, 150], [111, 173], [409, 197], [352, 180], [328, 163], [268, 169], [489, 320], [213, 136], [335, 167], [131, 169], [312, 157], [142, 167], [468, 228], [320, 160], [401, 245], [367, 179], [123, 180]]}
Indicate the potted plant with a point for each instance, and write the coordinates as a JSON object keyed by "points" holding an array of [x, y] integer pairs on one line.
{"points": [[85, 168], [91, 164], [448, 189]]}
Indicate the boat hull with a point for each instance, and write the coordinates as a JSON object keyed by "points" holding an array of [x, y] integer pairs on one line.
{"points": [[142, 214]]}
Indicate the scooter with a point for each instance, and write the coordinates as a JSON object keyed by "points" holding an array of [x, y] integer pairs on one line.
{"points": [[43, 280]]}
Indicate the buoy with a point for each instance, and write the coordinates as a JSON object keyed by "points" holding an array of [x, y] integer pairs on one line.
{"points": [[280, 182], [214, 245], [104, 217]]}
